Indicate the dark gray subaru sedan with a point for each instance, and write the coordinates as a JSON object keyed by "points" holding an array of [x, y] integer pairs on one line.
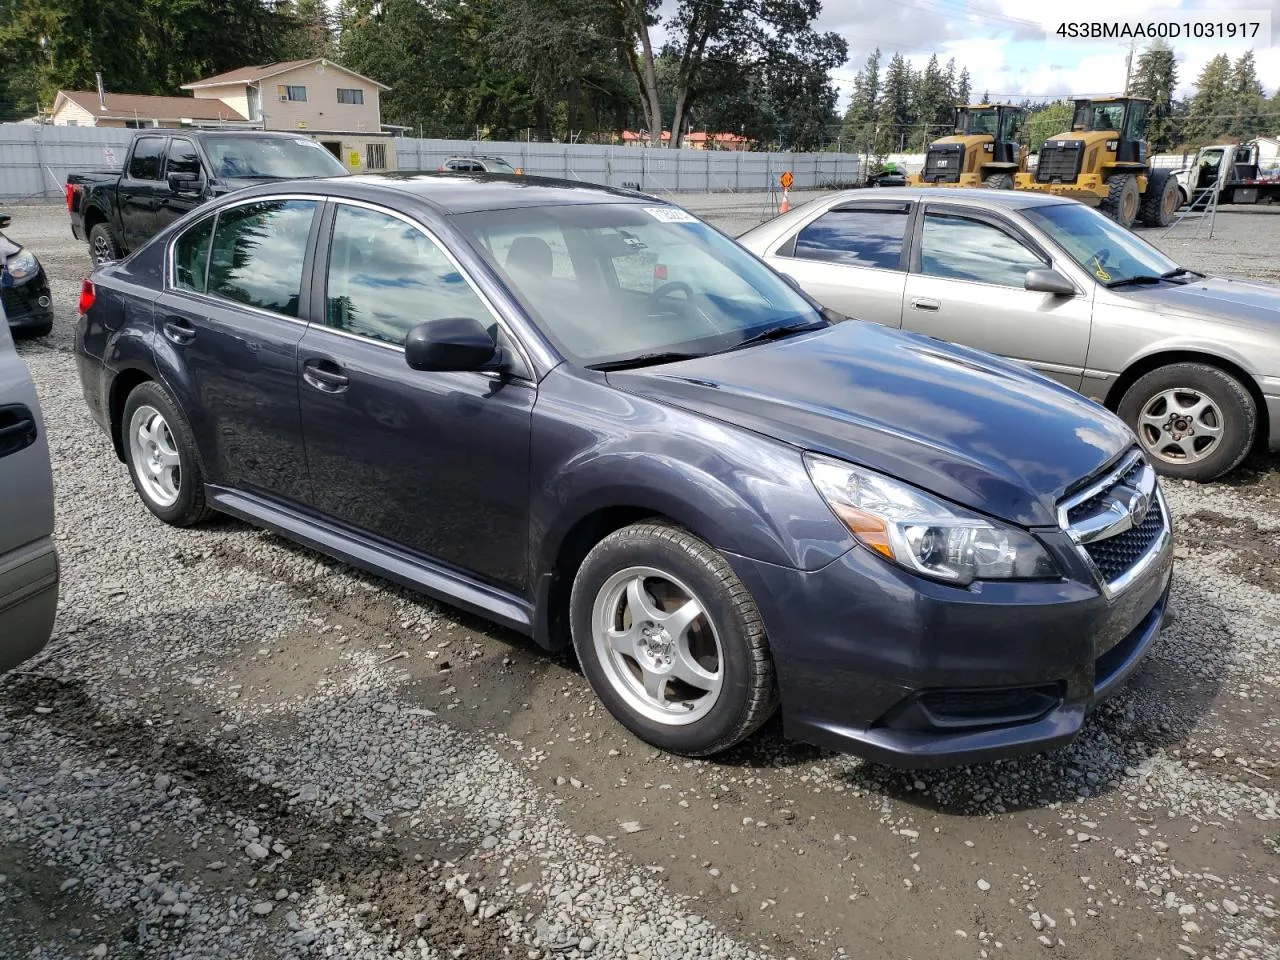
{"points": [[494, 390]]}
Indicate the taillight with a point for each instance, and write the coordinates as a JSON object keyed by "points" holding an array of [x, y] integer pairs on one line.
{"points": [[72, 190], [88, 294], [659, 271]]}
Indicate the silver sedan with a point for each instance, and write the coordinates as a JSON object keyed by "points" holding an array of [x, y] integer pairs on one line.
{"points": [[1191, 362]]}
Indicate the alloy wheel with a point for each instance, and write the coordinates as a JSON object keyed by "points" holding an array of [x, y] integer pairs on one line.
{"points": [[657, 646], [1180, 425], [155, 456]]}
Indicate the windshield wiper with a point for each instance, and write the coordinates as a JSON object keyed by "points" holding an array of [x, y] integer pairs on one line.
{"points": [[1180, 272], [1130, 281], [777, 333], [645, 360]]}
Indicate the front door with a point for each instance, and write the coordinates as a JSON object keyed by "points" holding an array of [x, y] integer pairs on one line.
{"points": [[229, 324], [182, 158], [141, 188], [966, 287], [437, 463], [851, 259]]}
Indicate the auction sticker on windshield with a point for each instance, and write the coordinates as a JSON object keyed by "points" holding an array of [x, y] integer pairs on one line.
{"points": [[671, 215]]}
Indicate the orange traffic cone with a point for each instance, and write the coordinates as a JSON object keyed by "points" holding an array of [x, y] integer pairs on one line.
{"points": [[786, 204]]}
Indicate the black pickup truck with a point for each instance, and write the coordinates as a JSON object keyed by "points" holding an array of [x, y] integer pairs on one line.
{"points": [[168, 173]]}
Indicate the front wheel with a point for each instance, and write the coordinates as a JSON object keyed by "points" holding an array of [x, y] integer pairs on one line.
{"points": [[1161, 201], [1194, 421], [671, 641], [1122, 200]]}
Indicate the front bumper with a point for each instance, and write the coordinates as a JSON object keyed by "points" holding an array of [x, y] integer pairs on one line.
{"points": [[27, 303], [908, 672], [1270, 387]]}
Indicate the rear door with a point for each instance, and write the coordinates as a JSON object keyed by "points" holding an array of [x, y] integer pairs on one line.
{"points": [[28, 564], [141, 189], [966, 286], [852, 258], [230, 320], [182, 157]]}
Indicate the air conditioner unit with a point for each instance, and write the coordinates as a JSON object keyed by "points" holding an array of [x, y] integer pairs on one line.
{"points": [[284, 98]]}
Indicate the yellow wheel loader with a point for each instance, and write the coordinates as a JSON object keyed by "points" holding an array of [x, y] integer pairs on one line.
{"points": [[1102, 161], [983, 152]]}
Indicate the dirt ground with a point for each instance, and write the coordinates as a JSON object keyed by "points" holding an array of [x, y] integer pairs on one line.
{"points": [[237, 748]]}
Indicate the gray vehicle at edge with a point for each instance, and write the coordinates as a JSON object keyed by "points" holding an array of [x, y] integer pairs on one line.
{"points": [[28, 560], [1190, 362]]}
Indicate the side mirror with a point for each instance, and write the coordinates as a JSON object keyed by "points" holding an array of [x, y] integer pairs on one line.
{"points": [[454, 343], [184, 182], [1049, 281]]}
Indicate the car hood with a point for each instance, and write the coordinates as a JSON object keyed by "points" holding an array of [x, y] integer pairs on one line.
{"points": [[980, 431], [1252, 303]]}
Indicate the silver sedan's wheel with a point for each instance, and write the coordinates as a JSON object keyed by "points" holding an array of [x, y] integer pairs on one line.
{"points": [[1180, 426], [657, 646], [155, 456]]}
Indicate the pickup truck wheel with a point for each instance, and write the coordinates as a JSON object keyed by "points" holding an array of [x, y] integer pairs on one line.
{"points": [[1194, 421], [671, 641], [102, 245], [162, 457]]}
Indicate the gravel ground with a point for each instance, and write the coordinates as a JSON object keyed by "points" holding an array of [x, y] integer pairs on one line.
{"points": [[236, 748]]}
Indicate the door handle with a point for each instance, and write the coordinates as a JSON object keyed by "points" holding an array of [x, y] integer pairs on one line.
{"points": [[925, 303], [325, 375], [17, 428], [179, 330]]}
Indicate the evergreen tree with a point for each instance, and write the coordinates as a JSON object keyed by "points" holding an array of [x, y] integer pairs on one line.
{"points": [[859, 119], [962, 88], [1246, 105], [931, 107], [893, 113], [1206, 121], [1156, 78]]}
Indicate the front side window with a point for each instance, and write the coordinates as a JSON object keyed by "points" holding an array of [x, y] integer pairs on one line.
{"points": [[386, 276], [191, 256], [258, 253], [183, 157], [147, 155], [292, 93], [958, 248], [354, 96], [860, 238], [621, 282], [1104, 248]]}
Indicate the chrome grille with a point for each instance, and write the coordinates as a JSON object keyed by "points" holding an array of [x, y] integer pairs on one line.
{"points": [[1119, 524]]}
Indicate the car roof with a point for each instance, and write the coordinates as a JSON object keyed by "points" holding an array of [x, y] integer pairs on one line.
{"points": [[451, 192], [1009, 199]]}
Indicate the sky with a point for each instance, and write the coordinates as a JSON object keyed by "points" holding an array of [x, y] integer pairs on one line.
{"points": [[1003, 44]]}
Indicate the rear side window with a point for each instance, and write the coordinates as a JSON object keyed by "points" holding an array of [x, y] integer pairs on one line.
{"points": [[147, 153], [191, 256], [182, 158], [860, 238], [258, 252]]}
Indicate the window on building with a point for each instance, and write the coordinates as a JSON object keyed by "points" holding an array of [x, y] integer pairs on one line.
{"points": [[375, 156], [73, 123], [292, 93], [346, 95]]}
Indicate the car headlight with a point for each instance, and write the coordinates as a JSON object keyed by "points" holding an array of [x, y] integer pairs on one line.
{"points": [[925, 534], [23, 265]]}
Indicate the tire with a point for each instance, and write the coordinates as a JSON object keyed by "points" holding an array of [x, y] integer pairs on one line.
{"points": [[1163, 404], [999, 181], [725, 639], [1161, 201], [173, 491], [1123, 199], [102, 245]]}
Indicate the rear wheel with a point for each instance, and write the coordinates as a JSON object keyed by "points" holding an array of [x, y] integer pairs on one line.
{"points": [[999, 181], [1161, 201], [671, 641], [1123, 199], [162, 457], [102, 245], [1194, 421]]}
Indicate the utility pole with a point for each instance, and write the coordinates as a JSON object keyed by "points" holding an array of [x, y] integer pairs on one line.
{"points": [[1128, 64]]}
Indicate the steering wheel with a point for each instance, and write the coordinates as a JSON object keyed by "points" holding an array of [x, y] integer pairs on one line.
{"points": [[665, 291]]}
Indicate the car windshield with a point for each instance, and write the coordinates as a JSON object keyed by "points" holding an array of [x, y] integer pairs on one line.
{"points": [[498, 166], [982, 121], [616, 282], [1100, 245], [277, 158]]}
